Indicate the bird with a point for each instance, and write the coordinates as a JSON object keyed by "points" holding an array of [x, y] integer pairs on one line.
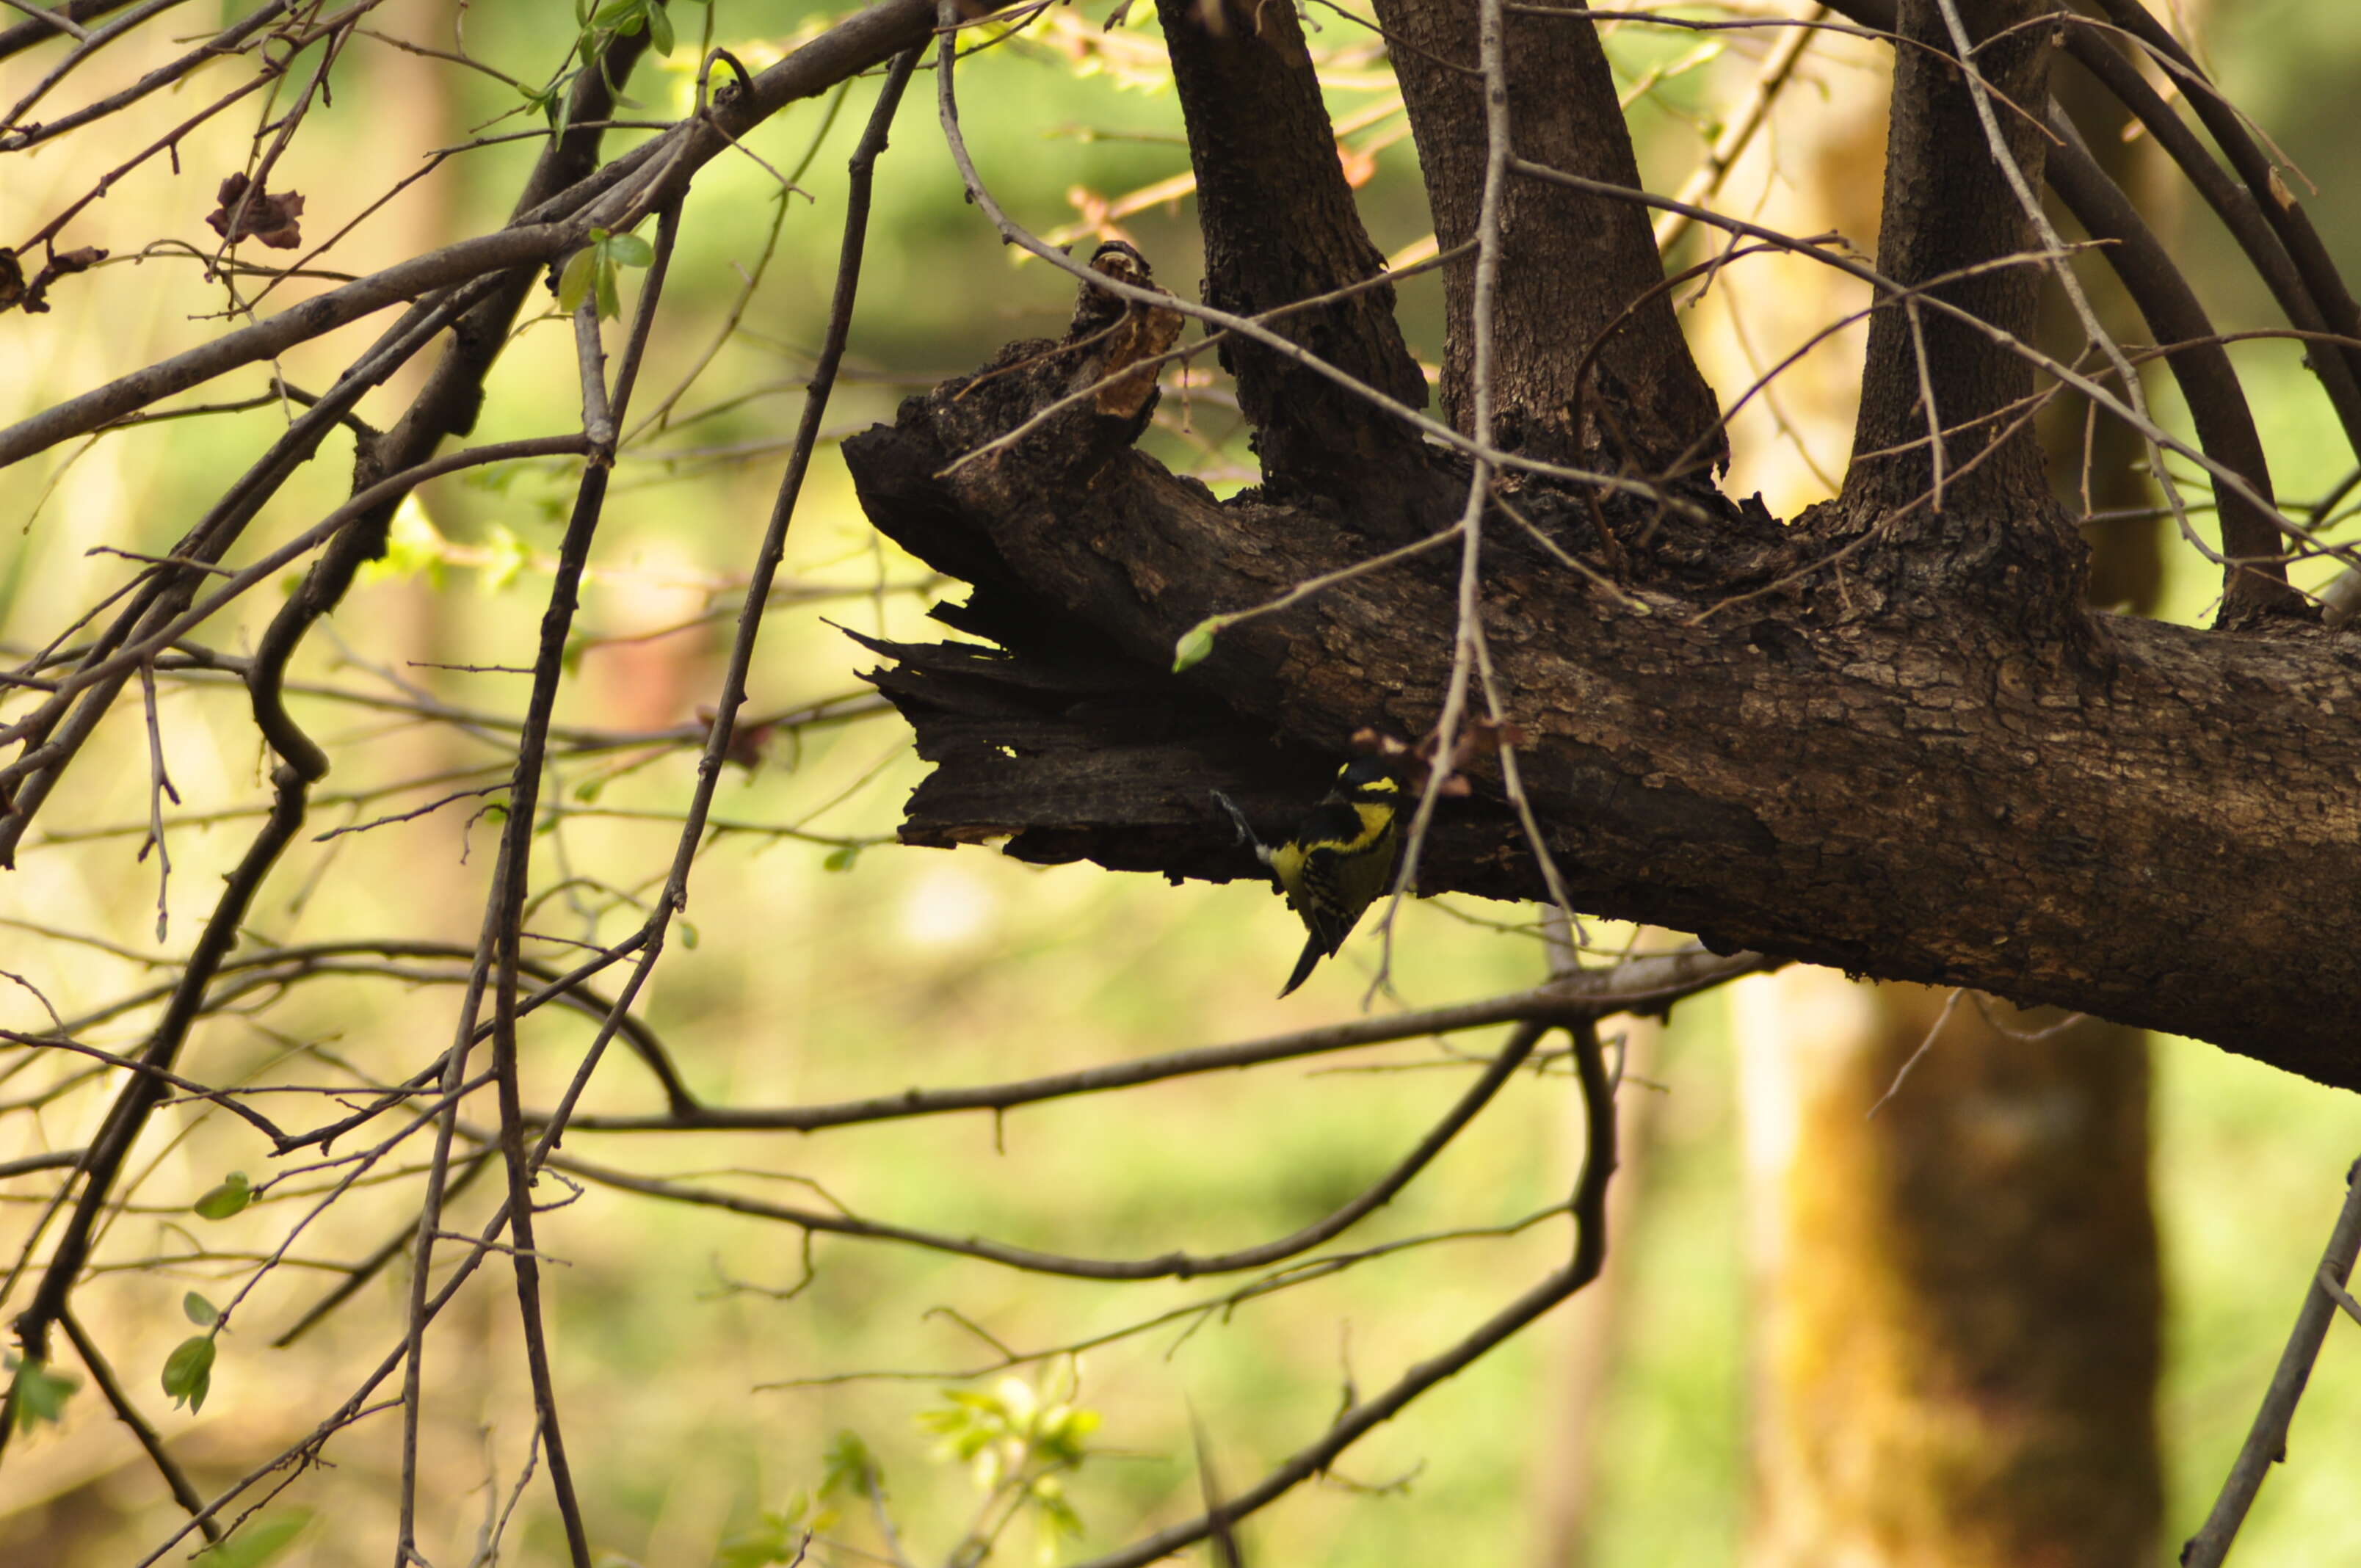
{"points": [[1121, 342], [1095, 309], [1339, 858]]}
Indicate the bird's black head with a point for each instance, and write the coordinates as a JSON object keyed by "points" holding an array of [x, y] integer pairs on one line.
{"points": [[1369, 779]]}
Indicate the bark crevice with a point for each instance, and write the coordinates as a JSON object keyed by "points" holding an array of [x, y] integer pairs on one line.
{"points": [[2079, 830]]}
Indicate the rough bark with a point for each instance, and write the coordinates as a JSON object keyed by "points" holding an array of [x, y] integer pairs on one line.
{"points": [[1891, 739], [2083, 823], [1910, 1269], [1574, 268], [2256, 581], [1950, 206], [1280, 226]]}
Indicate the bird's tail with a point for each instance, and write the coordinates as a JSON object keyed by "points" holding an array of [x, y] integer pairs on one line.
{"points": [[1313, 952]]}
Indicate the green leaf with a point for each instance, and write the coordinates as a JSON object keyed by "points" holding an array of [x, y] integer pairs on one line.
{"points": [[976, 1399], [610, 303], [1196, 642], [202, 1312], [589, 791], [258, 1542], [40, 1393], [659, 28], [508, 558], [773, 1539], [840, 859], [574, 283], [188, 1371], [849, 1467], [230, 1198], [620, 16], [630, 250], [413, 545], [1050, 1503]]}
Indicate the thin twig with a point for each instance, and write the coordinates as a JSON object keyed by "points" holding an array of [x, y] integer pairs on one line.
{"points": [[159, 787], [1738, 133], [1590, 1210], [1650, 985], [2224, 476], [104, 1161], [1950, 1005], [2265, 1443], [119, 1401], [1165, 1266], [50, 19]]}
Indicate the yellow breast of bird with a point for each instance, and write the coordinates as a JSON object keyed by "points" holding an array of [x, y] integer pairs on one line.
{"points": [[1287, 864]]}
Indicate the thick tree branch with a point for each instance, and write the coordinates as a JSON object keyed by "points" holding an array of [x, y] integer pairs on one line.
{"points": [[2080, 823], [2240, 212], [2272, 197], [1572, 263], [2251, 542], [1280, 225], [1979, 485]]}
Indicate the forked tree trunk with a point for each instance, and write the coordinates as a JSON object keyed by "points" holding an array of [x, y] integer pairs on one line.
{"points": [[1956, 1306], [1889, 737]]}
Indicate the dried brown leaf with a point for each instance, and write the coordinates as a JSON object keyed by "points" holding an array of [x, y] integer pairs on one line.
{"points": [[257, 214]]}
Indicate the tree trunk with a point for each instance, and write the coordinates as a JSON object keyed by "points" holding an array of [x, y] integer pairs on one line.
{"points": [[1955, 1300]]}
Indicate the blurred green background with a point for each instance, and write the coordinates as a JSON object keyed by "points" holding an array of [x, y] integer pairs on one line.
{"points": [[819, 974]]}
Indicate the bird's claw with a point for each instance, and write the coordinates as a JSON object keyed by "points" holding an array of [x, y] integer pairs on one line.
{"points": [[1246, 830]]}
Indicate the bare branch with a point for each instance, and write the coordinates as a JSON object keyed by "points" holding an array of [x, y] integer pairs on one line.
{"points": [[2265, 1443]]}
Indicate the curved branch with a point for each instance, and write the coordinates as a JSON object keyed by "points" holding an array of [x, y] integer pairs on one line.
{"points": [[1590, 1210], [1645, 985], [2276, 202], [2240, 212], [1167, 1266], [2257, 578]]}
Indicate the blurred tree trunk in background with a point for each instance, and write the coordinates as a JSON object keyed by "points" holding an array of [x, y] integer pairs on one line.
{"points": [[1591, 1334], [1956, 1303], [1955, 1314]]}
